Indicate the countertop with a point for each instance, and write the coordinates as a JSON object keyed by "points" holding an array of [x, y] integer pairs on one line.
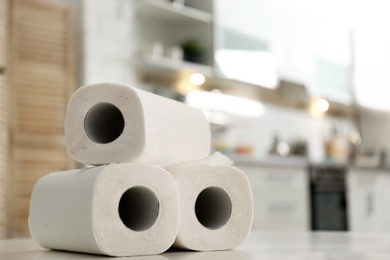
{"points": [[262, 246], [270, 161], [298, 162]]}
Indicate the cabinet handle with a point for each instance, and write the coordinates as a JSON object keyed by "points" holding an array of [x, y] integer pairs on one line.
{"points": [[2, 70], [369, 204]]}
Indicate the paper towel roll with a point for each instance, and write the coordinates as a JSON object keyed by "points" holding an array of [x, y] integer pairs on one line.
{"points": [[216, 255], [63, 255], [119, 210], [111, 123], [216, 206]]}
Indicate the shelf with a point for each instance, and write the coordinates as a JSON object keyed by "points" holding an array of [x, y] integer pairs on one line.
{"points": [[171, 12], [164, 65]]}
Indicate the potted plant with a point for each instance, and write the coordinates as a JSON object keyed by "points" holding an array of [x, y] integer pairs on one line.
{"points": [[193, 50]]}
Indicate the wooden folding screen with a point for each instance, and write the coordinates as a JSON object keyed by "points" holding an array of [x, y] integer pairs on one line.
{"points": [[3, 116], [42, 80]]}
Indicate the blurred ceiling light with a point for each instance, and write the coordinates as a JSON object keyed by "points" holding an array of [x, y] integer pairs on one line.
{"points": [[183, 86], [321, 105], [215, 101], [255, 67], [318, 107], [197, 79]]}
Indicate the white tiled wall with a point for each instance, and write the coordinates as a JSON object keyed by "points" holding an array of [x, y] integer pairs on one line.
{"points": [[376, 132], [288, 124]]}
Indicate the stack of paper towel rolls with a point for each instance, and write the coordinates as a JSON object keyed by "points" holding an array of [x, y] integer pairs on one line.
{"points": [[153, 184]]}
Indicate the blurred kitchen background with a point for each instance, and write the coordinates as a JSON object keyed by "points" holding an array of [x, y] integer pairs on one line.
{"points": [[297, 94]]}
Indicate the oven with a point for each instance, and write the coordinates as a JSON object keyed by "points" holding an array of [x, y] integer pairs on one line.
{"points": [[328, 203]]}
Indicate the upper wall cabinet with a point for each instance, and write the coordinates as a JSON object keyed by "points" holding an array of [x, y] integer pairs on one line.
{"points": [[242, 42], [310, 50], [249, 17], [291, 41], [372, 56], [272, 40], [332, 62]]}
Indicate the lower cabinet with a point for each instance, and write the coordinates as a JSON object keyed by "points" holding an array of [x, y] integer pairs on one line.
{"points": [[280, 196], [369, 200]]}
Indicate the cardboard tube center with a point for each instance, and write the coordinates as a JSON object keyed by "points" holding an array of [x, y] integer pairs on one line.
{"points": [[104, 123], [139, 208], [213, 207]]}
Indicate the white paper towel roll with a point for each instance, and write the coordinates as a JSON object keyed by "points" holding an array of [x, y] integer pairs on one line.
{"points": [[217, 255], [63, 255], [119, 210], [111, 123], [216, 206]]}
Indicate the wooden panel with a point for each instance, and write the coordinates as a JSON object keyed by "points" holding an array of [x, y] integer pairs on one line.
{"points": [[42, 79], [3, 118]]}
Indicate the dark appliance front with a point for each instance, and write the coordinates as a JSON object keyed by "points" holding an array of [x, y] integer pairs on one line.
{"points": [[328, 197]]}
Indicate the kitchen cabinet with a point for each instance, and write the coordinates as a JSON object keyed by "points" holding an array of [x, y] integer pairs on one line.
{"points": [[372, 56], [368, 193], [250, 17], [242, 37], [302, 47], [292, 43], [280, 196], [312, 51], [332, 63]]}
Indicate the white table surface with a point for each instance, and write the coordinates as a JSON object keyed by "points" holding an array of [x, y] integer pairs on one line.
{"points": [[262, 246]]}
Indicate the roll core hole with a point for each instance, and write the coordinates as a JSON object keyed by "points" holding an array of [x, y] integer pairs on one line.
{"points": [[104, 123], [213, 207], [139, 208]]}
